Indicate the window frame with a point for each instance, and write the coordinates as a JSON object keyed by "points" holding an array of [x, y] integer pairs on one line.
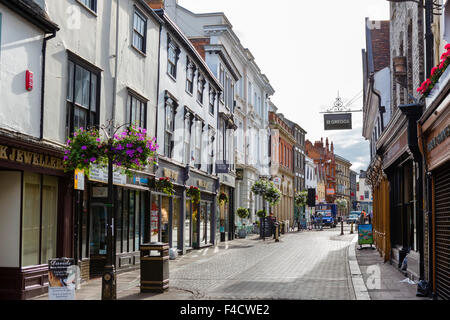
{"points": [[143, 108], [170, 102], [201, 84], [172, 66], [138, 13], [72, 104], [92, 9], [190, 67]]}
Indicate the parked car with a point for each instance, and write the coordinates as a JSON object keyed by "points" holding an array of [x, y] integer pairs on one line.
{"points": [[353, 218]]}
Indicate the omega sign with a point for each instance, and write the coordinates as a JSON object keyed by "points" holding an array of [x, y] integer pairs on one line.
{"points": [[30, 158], [338, 121]]}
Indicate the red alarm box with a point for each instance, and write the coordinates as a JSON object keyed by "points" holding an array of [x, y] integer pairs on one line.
{"points": [[29, 80]]}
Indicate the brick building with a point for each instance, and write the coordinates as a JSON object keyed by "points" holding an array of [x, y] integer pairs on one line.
{"points": [[323, 156], [282, 165]]}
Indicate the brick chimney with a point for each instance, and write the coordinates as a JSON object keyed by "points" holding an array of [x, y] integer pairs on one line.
{"points": [[162, 4], [155, 4]]}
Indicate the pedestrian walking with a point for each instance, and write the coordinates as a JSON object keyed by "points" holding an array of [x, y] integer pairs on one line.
{"points": [[362, 218]]}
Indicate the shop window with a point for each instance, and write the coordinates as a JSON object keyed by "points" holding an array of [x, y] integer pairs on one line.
{"points": [[155, 218], [188, 225], [165, 210], [175, 221], [131, 222], [119, 221], [126, 219], [39, 218]]}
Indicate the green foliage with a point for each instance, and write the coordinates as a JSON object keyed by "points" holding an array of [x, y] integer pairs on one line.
{"points": [[301, 199], [223, 198], [130, 150], [194, 194], [261, 214], [243, 213], [165, 185], [83, 149]]}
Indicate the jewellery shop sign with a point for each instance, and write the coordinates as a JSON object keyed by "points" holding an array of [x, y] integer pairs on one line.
{"points": [[30, 158]]}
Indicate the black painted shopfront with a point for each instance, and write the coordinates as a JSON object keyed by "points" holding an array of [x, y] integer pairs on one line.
{"points": [[131, 223]]}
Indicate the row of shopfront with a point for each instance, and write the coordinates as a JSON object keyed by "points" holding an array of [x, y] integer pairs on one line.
{"points": [[411, 183], [43, 217]]}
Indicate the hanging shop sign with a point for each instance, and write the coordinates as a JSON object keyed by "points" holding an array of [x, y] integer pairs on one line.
{"points": [[100, 174], [62, 278], [338, 121], [222, 168], [30, 158], [331, 192], [239, 174]]}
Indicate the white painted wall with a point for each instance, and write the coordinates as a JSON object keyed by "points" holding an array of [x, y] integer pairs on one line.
{"points": [[10, 193], [21, 50], [93, 38], [178, 89]]}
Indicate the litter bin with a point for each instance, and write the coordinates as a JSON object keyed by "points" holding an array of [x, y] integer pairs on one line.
{"points": [[154, 267]]}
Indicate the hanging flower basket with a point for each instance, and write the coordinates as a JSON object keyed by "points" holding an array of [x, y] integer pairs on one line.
{"points": [[272, 194], [133, 150], [82, 150], [223, 198], [261, 214], [243, 213], [301, 199], [194, 194], [259, 187], [165, 185]]}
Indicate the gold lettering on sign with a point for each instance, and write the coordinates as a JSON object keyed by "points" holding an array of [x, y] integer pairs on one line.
{"points": [[19, 156], [3, 152], [36, 159], [12, 156], [30, 158]]}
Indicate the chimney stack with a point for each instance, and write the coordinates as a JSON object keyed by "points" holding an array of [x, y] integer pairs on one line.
{"points": [[155, 4]]}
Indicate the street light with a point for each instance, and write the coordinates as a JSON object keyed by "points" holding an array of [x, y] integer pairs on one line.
{"points": [[109, 279]]}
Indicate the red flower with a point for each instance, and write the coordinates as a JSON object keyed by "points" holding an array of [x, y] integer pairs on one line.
{"points": [[445, 55], [433, 71], [447, 46]]}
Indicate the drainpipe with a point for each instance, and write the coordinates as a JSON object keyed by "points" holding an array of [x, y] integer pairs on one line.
{"points": [[44, 53], [113, 111]]}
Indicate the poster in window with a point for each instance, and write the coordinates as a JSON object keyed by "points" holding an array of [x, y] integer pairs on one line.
{"points": [[154, 219]]}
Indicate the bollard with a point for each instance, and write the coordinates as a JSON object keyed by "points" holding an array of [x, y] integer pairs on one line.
{"points": [[342, 227], [277, 237], [351, 230]]}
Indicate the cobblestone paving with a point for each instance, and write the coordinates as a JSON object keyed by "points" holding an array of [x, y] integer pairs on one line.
{"points": [[306, 265]]}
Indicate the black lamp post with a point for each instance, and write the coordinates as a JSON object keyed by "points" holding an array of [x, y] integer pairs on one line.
{"points": [[109, 279]]}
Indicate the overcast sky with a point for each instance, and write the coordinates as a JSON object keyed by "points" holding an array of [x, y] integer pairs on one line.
{"points": [[310, 51]]}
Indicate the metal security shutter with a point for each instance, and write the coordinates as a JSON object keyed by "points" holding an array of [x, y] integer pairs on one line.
{"points": [[442, 232]]}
